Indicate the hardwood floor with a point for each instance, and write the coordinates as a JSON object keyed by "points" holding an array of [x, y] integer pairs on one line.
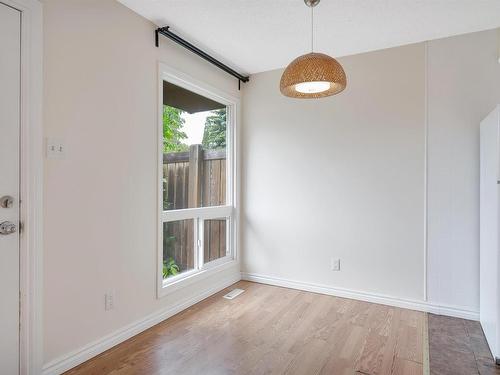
{"points": [[458, 347], [272, 330]]}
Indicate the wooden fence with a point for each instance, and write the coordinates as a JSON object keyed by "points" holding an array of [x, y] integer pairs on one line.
{"points": [[195, 178]]}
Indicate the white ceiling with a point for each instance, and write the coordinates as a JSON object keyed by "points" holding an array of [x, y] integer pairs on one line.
{"points": [[259, 35]]}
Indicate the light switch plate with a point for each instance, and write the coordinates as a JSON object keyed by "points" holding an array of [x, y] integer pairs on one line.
{"points": [[55, 148]]}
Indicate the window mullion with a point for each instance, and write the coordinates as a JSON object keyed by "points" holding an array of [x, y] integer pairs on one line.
{"points": [[193, 213], [195, 243], [200, 243]]}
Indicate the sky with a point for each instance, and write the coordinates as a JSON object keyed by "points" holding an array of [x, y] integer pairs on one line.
{"points": [[194, 126]]}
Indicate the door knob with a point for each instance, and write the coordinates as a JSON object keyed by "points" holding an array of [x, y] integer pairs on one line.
{"points": [[7, 227], [6, 201]]}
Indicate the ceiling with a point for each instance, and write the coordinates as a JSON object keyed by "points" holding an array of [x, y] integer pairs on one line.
{"points": [[259, 35]]}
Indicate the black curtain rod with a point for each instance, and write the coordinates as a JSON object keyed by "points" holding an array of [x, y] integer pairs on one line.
{"points": [[166, 32]]}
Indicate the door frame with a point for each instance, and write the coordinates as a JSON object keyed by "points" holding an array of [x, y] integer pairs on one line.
{"points": [[31, 186]]}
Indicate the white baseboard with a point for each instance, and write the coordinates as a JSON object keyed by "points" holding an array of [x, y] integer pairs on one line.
{"points": [[76, 357], [364, 296]]}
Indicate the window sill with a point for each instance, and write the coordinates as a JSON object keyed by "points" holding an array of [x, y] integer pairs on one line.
{"points": [[170, 286]]}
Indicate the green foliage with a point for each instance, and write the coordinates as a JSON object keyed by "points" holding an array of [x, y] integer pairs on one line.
{"points": [[173, 135], [170, 268], [214, 135]]}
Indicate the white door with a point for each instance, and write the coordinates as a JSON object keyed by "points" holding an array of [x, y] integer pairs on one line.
{"points": [[10, 74], [489, 299]]}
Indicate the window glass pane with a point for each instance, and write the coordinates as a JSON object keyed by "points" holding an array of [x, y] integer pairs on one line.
{"points": [[178, 247], [215, 239], [194, 150]]}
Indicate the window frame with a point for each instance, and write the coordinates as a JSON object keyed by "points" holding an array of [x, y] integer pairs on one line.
{"points": [[229, 211]]}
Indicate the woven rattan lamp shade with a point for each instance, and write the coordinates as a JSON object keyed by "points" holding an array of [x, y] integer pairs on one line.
{"points": [[313, 67]]}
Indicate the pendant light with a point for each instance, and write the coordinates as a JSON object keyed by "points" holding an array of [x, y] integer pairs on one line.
{"points": [[313, 75]]}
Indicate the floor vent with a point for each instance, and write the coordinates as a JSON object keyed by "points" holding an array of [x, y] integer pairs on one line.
{"points": [[233, 293]]}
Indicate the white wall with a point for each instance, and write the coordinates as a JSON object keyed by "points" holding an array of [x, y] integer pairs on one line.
{"points": [[463, 87], [344, 176], [338, 177], [100, 97]]}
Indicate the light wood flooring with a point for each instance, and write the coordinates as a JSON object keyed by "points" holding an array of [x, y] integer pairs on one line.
{"points": [[272, 330]]}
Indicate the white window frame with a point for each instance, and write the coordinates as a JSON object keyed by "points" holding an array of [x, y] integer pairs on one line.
{"points": [[229, 211]]}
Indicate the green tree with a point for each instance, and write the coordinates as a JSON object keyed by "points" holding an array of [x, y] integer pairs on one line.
{"points": [[173, 135], [214, 135]]}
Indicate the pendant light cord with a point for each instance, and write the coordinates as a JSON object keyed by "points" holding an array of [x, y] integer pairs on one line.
{"points": [[312, 29]]}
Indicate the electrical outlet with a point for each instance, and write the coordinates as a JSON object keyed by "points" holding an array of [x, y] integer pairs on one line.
{"points": [[55, 148], [109, 301], [335, 264]]}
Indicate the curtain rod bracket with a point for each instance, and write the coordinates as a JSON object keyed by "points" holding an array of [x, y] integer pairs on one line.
{"points": [[184, 43]]}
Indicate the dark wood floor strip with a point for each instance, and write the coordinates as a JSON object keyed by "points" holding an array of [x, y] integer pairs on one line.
{"points": [[458, 347]]}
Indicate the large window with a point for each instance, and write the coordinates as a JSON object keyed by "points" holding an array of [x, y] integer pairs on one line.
{"points": [[196, 180]]}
